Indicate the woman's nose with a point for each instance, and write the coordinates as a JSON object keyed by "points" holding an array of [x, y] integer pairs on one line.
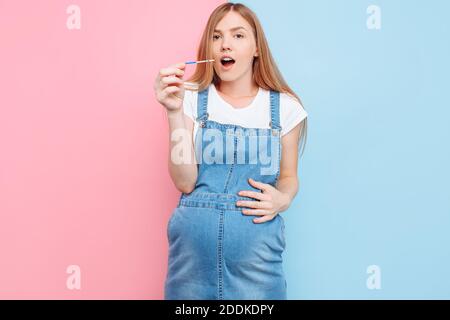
{"points": [[225, 44]]}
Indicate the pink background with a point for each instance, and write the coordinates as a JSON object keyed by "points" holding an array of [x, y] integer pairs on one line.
{"points": [[84, 144]]}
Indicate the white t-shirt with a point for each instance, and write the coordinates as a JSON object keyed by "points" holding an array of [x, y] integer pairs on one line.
{"points": [[255, 115]]}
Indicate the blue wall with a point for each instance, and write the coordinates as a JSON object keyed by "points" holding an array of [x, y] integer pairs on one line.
{"points": [[374, 178]]}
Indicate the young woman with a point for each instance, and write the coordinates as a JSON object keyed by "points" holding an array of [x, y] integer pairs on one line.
{"points": [[242, 126]]}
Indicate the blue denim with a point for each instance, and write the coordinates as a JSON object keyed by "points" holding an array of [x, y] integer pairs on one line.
{"points": [[215, 251]]}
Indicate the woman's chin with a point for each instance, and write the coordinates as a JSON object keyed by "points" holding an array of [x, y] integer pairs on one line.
{"points": [[227, 76]]}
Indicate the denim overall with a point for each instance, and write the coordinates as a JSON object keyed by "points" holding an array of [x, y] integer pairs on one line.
{"points": [[215, 251]]}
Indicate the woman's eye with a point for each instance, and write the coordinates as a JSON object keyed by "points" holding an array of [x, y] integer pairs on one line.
{"points": [[215, 37]]}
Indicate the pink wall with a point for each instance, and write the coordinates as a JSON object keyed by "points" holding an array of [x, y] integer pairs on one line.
{"points": [[84, 145]]}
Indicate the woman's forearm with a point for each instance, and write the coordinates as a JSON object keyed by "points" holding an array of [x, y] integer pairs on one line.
{"points": [[182, 165]]}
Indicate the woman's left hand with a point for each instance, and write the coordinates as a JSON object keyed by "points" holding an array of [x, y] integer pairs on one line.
{"points": [[271, 201]]}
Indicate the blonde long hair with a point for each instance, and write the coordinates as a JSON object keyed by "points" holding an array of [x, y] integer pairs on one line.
{"points": [[265, 71]]}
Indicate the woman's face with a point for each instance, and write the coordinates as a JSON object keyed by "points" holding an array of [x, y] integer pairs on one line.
{"points": [[233, 37]]}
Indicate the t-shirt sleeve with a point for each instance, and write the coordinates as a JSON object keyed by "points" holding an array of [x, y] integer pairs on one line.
{"points": [[291, 113], [190, 104]]}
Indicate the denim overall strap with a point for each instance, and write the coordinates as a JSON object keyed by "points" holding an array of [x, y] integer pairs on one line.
{"points": [[275, 110], [202, 105]]}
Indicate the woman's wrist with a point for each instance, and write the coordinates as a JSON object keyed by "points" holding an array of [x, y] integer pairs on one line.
{"points": [[174, 113], [175, 119], [285, 200]]}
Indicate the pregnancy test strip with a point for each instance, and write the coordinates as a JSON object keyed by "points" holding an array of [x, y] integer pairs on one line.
{"points": [[195, 62]]}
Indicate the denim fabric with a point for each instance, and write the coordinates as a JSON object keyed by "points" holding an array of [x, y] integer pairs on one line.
{"points": [[215, 251]]}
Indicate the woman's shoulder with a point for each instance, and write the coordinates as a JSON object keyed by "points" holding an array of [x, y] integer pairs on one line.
{"points": [[290, 106], [190, 92], [289, 100], [291, 112], [286, 99]]}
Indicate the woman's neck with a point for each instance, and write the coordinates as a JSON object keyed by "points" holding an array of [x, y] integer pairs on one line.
{"points": [[237, 89]]}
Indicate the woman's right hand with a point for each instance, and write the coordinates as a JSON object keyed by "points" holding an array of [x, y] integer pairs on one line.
{"points": [[169, 86]]}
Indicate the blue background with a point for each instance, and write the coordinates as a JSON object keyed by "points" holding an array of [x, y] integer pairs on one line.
{"points": [[375, 173]]}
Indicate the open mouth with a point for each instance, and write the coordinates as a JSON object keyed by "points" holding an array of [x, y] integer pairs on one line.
{"points": [[226, 62]]}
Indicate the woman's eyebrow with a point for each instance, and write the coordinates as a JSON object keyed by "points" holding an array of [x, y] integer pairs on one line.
{"points": [[232, 29]]}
